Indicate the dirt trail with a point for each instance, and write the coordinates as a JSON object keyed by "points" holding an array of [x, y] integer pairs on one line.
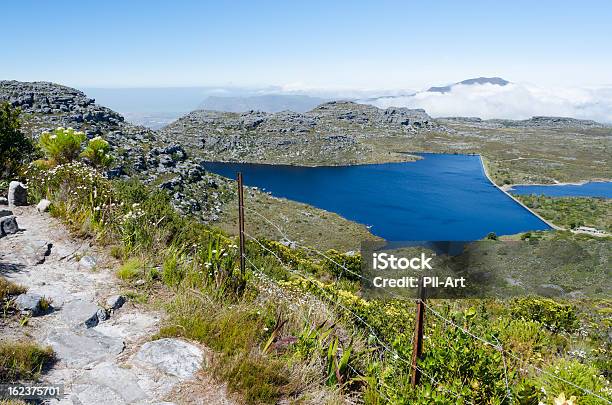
{"points": [[100, 361]]}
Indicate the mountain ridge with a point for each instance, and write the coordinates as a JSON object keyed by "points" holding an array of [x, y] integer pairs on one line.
{"points": [[497, 81]]}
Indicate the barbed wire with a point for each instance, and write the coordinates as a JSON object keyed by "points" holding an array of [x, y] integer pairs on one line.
{"points": [[372, 330], [497, 347]]}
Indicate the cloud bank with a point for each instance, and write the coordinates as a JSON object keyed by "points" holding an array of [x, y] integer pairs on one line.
{"points": [[513, 101]]}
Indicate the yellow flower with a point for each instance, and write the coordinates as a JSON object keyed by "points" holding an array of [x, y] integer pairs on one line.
{"points": [[560, 400]]}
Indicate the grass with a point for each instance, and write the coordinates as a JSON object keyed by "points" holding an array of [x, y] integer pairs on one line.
{"points": [[234, 333], [572, 212], [23, 360], [131, 269], [9, 289]]}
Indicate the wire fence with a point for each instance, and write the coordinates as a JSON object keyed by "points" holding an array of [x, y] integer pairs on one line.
{"points": [[497, 346], [330, 298]]}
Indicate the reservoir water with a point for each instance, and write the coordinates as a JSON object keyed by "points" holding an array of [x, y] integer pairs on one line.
{"points": [[592, 189], [440, 197]]}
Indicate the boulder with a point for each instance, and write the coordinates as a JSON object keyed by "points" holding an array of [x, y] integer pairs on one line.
{"points": [[171, 356], [115, 302], [79, 313], [3, 201], [8, 225], [18, 194], [29, 303], [43, 205]]}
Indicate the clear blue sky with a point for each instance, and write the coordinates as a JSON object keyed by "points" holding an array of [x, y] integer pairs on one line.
{"points": [[320, 44]]}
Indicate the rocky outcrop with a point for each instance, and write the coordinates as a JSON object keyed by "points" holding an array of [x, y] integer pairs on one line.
{"points": [[333, 131], [137, 151]]}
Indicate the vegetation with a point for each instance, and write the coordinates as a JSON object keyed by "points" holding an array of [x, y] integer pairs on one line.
{"points": [[15, 148], [97, 152], [572, 212], [23, 361], [9, 289], [131, 269], [62, 145], [296, 327]]}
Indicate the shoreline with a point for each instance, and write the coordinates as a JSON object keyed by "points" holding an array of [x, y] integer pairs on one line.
{"points": [[486, 173]]}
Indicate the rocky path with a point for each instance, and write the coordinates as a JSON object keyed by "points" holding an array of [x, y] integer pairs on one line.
{"points": [[103, 345]]}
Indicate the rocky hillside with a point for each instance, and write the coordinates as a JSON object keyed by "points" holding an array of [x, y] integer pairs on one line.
{"points": [[333, 133], [138, 151], [173, 162], [533, 122]]}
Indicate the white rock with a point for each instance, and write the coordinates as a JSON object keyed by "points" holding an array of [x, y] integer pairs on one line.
{"points": [[43, 205], [78, 349], [171, 356], [88, 263]]}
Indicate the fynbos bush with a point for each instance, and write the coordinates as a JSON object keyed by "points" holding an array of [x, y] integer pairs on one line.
{"points": [[62, 145], [97, 153], [552, 314]]}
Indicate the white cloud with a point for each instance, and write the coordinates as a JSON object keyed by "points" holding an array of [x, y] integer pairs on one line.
{"points": [[513, 101]]}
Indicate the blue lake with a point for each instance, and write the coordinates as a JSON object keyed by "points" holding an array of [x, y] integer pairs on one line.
{"points": [[593, 189], [441, 197]]}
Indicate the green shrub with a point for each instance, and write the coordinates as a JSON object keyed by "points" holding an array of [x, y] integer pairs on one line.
{"points": [[461, 365], [554, 315], [16, 149], [97, 153], [578, 374], [62, 145], [337, 264], [23, 361], [526, 338]]}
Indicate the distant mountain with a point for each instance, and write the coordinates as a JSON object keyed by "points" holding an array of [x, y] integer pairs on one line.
{"points": [[268, 103], [498, 81]]}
